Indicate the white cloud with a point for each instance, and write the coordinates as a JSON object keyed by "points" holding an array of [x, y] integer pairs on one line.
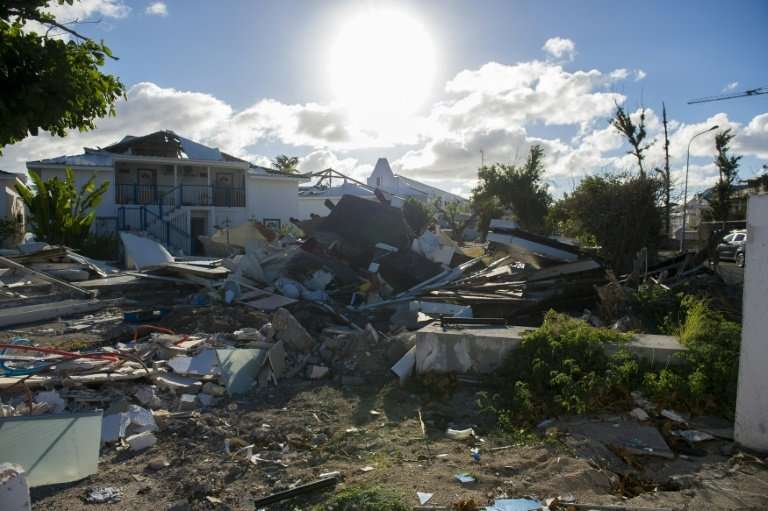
{"points": [[497, 108], [753, 139], [640, 74], [560, 48], [84, 10], [157, 9], [731, 86]]}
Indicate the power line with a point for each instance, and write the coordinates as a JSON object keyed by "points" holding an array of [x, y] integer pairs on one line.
{"points": [[721, 97]]}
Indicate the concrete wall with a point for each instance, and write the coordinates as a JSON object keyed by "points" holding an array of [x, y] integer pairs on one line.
{"points": [[268, 198], [751, 426]]}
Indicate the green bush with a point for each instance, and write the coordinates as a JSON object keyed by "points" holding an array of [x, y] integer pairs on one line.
{"points": [[708, 379], [358, 498], [102, 247], [562, 368]]}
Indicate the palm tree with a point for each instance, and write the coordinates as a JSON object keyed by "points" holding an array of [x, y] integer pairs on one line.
{"points": [[285, 163]]}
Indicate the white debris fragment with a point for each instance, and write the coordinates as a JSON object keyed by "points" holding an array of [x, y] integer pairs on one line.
{"points": [[639, 414], [141, 441], [52, 398]]}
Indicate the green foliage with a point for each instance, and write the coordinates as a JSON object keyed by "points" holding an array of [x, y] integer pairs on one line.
{"points": [[634, 133], [618, 212], [361, 498], [61, 214], [728, 168], [456, 215], [520, 188], [49, 83], [102, 247], [561, 367], [418, 215], [285, 163], [10, 228]]}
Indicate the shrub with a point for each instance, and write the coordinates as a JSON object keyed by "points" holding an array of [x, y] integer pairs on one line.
{"points": [[418, 215], [358, 498], [101, 246], [562, 367]]}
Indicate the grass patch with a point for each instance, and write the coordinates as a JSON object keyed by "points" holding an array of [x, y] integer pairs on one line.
{"points": [[365, 498]]}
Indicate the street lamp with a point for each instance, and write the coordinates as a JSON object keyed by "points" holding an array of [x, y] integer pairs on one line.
{"points": [[685, 193]]}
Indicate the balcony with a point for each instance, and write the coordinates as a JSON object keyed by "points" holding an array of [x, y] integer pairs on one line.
{"points": [[182, 195]]}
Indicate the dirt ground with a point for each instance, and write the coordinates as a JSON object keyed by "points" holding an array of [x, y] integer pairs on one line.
{"points": [[304, 428], [315, 427]]}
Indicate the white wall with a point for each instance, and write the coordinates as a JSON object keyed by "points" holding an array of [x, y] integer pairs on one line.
{"points": [[107, 206], [272, 198], [316, 205], [751, 426]]}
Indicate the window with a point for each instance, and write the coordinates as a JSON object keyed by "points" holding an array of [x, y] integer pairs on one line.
{"points": [[739, 237], [729, 238], [272, 223], [378, 181]]}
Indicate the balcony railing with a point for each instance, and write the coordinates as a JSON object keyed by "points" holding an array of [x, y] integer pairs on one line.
{"points": [[183, 195]]}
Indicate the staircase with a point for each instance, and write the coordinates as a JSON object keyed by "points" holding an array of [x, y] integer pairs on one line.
{"points": [[164, 222]]}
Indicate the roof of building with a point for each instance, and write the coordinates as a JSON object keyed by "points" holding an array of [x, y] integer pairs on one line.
{"points": [[258, 170], [4, 174], [162, 144], [346, 188]]}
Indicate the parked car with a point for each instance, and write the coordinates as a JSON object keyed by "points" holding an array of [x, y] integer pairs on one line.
{"points": [[733, 247]]}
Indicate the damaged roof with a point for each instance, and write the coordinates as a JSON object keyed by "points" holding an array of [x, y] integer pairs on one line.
{"points": [[161, 144]]}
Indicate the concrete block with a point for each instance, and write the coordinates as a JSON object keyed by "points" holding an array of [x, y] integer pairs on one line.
{"points": [[482, 349], [14, 490], [141, 441]]}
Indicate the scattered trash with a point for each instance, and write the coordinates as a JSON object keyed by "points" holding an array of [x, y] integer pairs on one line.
{"points": [[460, 434], [424, 497], [514, 505], [465, 478], [639, 414], [475, 454], [104, 495], [693, 435], [673, 416]]}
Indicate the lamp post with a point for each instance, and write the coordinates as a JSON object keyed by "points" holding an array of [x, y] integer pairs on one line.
{"points": [[683, 243]]}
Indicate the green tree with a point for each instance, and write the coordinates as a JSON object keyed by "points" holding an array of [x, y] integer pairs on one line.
{"points": [[49, 83], [457, 216], [618, 212], [418, 215], [285, 163], [61, 214], [520, 188], [634, 133], [728, 168]]}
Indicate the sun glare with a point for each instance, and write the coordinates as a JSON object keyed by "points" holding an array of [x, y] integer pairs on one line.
{"points": [[382, 64]]}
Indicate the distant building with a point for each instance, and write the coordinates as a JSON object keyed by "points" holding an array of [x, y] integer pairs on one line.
{"points": [[312, 198], [175, 189], [11, 205], [383, 178]]}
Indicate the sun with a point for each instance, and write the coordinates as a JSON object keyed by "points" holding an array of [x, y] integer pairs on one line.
{"points": [[381, 65]]}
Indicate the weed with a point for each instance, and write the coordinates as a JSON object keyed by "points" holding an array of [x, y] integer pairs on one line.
{"points": [[360, 498]]}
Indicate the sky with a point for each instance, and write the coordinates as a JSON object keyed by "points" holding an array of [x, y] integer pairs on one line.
{"points": [[435, 86]]}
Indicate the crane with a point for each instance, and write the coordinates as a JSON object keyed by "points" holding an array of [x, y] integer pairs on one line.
{"points": [[750, 92]]}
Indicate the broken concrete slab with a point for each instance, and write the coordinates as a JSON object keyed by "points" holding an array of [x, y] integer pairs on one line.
{"points": [[290, 331], [481, 349], [11, 316], [141, 441], [240, 368], [52, 448], [629, 436], [177, 383], [204, 363]]}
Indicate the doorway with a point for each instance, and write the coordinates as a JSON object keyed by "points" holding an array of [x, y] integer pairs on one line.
{"points": [[223, 190], [198, 226]]}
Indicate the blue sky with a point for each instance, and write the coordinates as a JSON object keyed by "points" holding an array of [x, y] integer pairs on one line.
{"points": [[253, 77]]}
